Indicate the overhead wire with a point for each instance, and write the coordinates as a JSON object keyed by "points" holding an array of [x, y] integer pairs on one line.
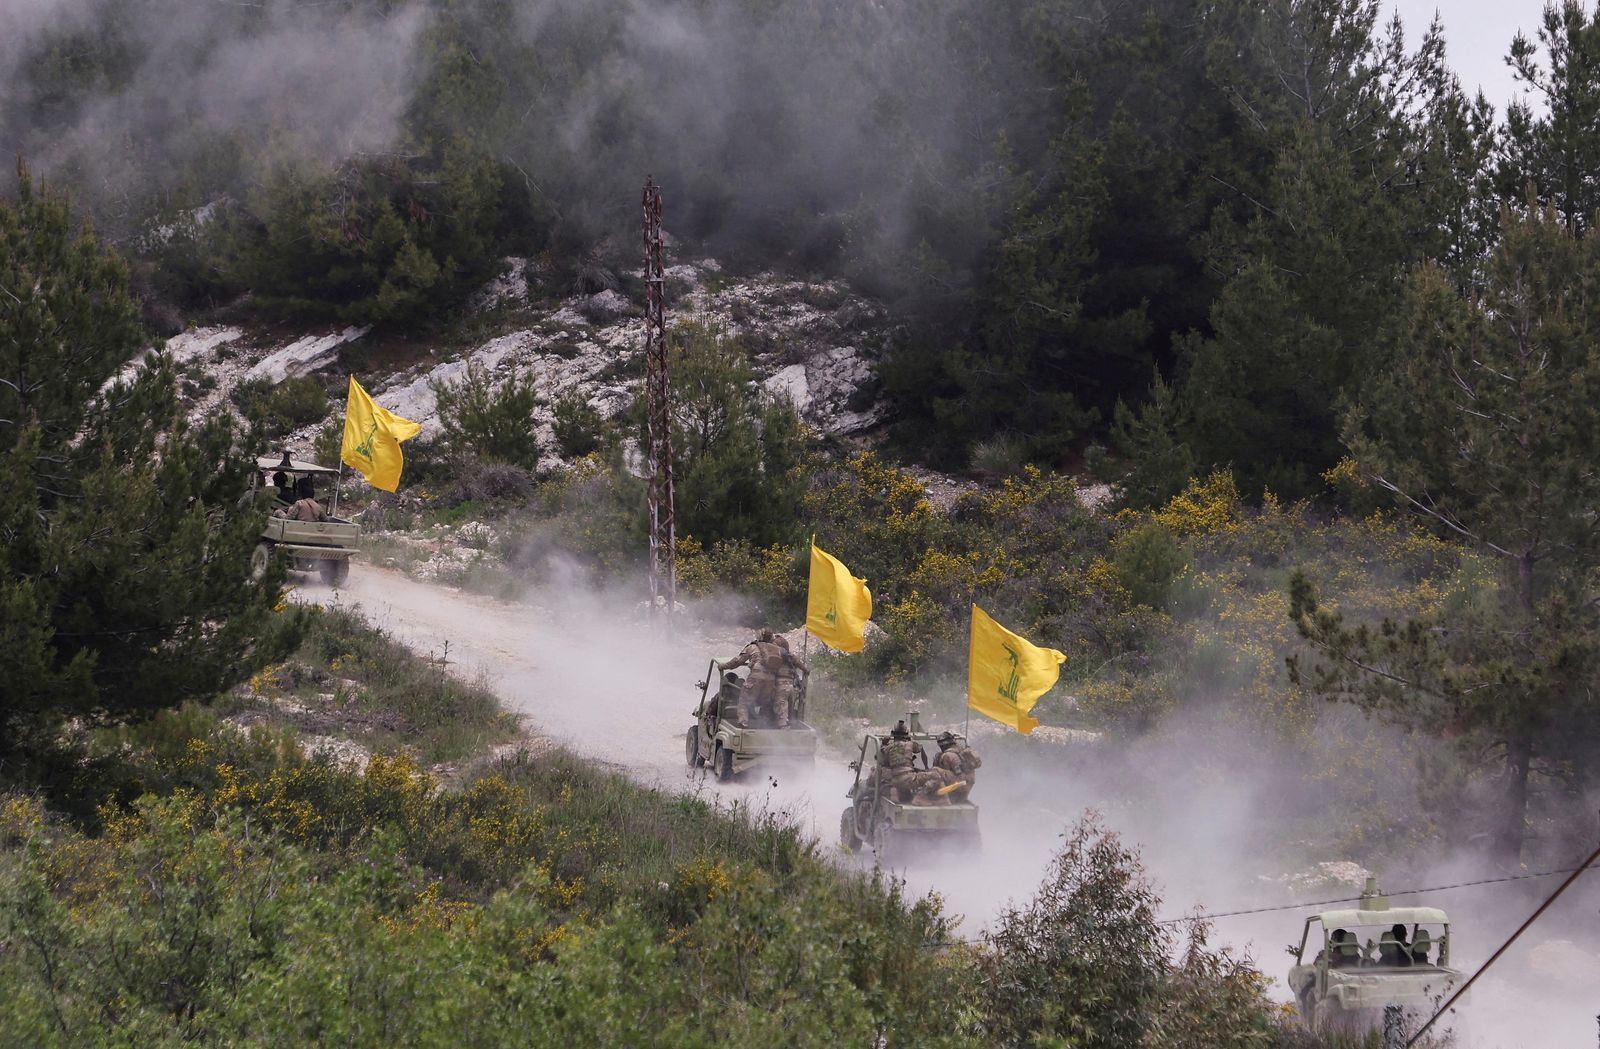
{"points": [[954, 941]]}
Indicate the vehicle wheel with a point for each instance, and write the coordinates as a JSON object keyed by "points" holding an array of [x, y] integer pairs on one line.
{"points": [[691, 749], [333, 571], [722, 760], [847, 831], [260, 558]]}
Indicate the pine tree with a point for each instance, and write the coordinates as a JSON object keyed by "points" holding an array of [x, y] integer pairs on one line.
{"points": [[1555, 150], [124, 582], [1489, 430]]}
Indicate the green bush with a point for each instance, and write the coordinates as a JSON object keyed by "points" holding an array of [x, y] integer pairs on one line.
{"points": [[1148, 559], [488, 421], [579, 428], [280, 408]]}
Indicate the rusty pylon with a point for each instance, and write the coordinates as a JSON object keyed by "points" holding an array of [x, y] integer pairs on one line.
{"points": [[658, 402]]}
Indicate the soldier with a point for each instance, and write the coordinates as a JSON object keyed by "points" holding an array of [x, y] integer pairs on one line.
{"points": [[765, 659], [897, 760], [960, 763], [788, 683], [306, 508]]}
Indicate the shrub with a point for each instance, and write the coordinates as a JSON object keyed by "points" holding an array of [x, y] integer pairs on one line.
{"points": [[480, 419], [1147, 560], [579, 428], [289, 405]]}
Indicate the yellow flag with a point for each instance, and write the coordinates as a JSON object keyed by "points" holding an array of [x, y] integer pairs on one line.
{"points": [[372, 437], [838, 604], [1007, 674]]}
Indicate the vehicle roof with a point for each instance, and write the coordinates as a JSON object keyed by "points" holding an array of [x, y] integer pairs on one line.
{"points": [[283, 462], [1391, 916]]}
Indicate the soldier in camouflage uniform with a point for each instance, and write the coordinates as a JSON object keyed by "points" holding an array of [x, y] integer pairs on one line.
{"points": [[765, 659], [788, 683], [959, 764], [897, 761]]}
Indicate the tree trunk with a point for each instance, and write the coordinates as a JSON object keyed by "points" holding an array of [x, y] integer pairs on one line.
{"points": [[1512, 828]]}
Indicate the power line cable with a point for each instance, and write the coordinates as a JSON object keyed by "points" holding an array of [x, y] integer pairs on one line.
{"points": [[1571, 877], [1356, 899], [1589, 864]]}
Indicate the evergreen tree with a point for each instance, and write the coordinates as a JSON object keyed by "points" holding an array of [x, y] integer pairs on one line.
{"points": [[1554, 150], [124, 582], [489, 421], [1489, 429], [1327, 211], [736, 452]]}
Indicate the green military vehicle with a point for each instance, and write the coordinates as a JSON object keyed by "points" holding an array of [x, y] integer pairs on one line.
{"points": [[1352, 962], [717, 738], [880, 818], [323, 546]]}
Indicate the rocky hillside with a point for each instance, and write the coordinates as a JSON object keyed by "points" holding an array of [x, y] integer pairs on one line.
{"points": [[815, 344]]}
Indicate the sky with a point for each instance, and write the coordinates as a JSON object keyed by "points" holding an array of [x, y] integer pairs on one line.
{"points": [[1477, 36]]}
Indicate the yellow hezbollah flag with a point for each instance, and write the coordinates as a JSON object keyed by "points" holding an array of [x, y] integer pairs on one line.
{"points": [[838, 604], [1006, 674], [372, 437]]}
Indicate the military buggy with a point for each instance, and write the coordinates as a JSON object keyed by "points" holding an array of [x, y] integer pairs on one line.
{"points": [[882, 818], [717, 738], [1349, 964], [323, 546]]}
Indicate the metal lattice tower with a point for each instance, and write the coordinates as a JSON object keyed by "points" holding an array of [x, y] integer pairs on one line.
{"points": [[658, 403]]}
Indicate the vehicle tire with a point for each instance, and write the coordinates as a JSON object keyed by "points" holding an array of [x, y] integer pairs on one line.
{"points": [[334, 571], [691, 749], [847, 831], [260, 558], [722, 761]]}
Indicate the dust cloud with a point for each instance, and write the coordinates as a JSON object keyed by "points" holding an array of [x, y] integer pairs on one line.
{"points": [[1217, 816]]}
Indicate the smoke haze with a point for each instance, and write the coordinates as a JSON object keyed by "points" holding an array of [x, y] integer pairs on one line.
{"points": [[1219, 815]]}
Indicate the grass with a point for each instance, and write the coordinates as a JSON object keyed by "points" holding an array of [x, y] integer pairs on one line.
{"points": [[389, 699]]}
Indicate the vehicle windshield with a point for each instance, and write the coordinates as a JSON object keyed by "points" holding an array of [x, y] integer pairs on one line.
{"points": [[1398, 945]]}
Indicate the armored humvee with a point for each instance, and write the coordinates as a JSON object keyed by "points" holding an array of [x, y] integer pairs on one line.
{"points": [[1351, 962], [306, 546], [881, 819], [716, 736]]}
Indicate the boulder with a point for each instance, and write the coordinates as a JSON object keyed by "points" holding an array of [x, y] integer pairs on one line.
{"points": [[305, 356]]}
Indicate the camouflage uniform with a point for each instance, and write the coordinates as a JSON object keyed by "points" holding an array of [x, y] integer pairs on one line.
{"points": [[764, 660], [897, 758], [788, 684], [959, 764]]}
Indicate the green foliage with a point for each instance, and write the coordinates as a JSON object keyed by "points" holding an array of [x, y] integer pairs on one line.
{"points": [[1486, 429], [1148, 559], [578, 425], [489, 421], [1157, 461], [278, 409], [1084, 963], [1547, 149], [737, 455], [125, 557]]}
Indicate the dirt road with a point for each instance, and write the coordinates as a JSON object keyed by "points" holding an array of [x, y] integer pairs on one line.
{"points": [[591, 672]]}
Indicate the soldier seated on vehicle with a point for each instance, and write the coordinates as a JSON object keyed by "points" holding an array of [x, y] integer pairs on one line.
{"points": [[280, 486], [897, 763], [1393, 949], [1346, 951], [305, 508], [1420, 945], [960, 762]]}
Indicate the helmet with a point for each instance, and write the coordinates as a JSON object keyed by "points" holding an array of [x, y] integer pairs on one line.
{"points": [[765, 635], [899, 731], [781, 641], [947, 739]]}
